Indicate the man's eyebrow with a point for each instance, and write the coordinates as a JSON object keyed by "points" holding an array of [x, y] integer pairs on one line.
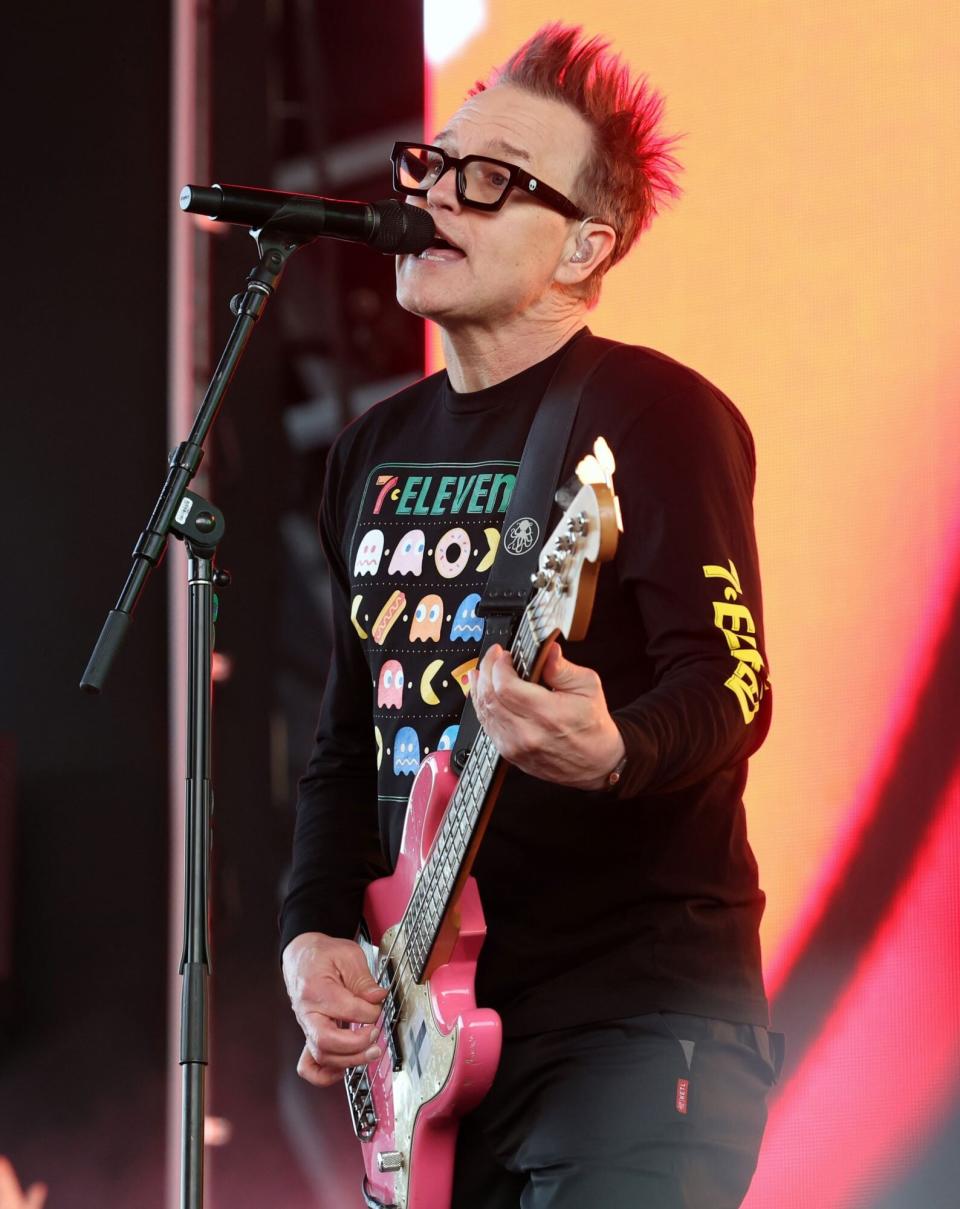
{"points": [[500, 145]]}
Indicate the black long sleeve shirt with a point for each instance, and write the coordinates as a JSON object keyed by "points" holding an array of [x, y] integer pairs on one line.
{"points": [[597, 906]]}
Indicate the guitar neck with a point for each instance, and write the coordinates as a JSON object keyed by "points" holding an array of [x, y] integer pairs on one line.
{"points": [[428, 920]]}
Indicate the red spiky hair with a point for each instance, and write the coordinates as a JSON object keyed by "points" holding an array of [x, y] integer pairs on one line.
{"points": [[630, 173]]}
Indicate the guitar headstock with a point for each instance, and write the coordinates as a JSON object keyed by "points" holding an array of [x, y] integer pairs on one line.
{"points": [[585, 536]]}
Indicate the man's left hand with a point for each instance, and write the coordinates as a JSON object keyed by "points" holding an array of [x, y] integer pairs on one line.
{"points": [[565, 735]]}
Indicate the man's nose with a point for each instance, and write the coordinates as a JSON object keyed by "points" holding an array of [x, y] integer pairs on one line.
{"points": [[443, 192]]}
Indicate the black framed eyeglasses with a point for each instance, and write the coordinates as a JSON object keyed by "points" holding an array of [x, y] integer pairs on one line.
{"points": [[481, 182]]}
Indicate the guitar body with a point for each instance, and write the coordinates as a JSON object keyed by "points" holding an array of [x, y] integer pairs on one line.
{"points": [[441, 1051]]}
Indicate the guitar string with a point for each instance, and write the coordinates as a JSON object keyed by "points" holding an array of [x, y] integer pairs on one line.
{"points": [[404, 965], [445, 835], [396, 999], [395, 996], [525, 636], [534, 606], [532, 614], [465, 782]]}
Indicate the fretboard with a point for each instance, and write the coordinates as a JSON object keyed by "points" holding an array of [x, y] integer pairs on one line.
{"points": [[440, 875]]}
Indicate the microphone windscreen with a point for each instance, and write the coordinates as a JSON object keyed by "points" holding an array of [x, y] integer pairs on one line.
{"points": [[402, 228]]}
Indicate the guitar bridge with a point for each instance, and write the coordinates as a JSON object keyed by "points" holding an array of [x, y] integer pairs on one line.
{"points": [[356, 1079], [363, 1115]]}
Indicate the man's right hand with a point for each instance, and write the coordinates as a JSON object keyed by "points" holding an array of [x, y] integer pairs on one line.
{"points": [[331, 987]]}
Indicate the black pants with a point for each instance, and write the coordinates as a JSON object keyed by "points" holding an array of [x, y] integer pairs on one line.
{"points": [[661, 1111]]}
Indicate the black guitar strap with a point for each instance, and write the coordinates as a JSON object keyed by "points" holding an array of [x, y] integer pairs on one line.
{"points": [[524, 528]]}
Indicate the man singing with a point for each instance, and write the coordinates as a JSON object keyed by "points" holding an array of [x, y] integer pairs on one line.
{"points": [[619, 889]]}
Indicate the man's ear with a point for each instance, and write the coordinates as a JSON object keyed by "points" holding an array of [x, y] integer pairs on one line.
{"points": [[589, 245]]}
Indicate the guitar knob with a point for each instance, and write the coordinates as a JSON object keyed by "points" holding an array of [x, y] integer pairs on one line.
{"points": [[389, 1160]]}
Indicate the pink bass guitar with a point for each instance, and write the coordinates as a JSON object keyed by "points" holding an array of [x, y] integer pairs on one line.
{"points": [[423, 925]]}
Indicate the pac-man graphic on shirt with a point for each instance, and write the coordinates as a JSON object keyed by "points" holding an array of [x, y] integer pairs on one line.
{"points": [[354, 610], [426, 682], [407, 557], [493, 541], [406, 752], [467, 626], [369, 553], [427, 620], [390, 685]]}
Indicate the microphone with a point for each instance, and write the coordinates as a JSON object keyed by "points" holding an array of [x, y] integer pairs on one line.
{"points": [[389, 226]]}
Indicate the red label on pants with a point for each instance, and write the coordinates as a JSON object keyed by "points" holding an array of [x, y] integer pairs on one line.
{"points": [[683, 1086]]}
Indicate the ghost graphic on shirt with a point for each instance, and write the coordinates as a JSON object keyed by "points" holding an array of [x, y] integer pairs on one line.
{"points": [[467, 626], [369, 553], [448, 738], [390, 685], [406, 752], [427, 620], [408, 556]]}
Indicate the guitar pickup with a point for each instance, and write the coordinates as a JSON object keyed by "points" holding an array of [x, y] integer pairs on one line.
{"points": [[391, 1016]]}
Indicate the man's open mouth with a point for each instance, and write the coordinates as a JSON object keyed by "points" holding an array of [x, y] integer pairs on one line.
{"points": [[442, 249]]}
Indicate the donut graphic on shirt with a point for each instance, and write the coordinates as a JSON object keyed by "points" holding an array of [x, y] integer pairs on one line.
{"points": [[452, 552]]}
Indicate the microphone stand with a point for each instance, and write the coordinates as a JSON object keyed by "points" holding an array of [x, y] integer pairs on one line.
{"points": [[200, 525]]}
